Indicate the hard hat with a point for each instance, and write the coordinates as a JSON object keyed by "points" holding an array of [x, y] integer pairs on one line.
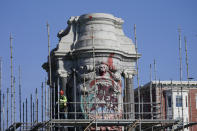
{"points": [[61, 92]]}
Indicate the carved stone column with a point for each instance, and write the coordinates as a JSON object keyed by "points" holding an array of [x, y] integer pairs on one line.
{"points": [[62, 79], [129, 95]]}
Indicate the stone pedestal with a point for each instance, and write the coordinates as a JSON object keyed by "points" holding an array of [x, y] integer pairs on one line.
{"points": [[90, 59]]}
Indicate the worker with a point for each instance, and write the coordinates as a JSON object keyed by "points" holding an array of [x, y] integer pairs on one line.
{"points": [[63, 105]]}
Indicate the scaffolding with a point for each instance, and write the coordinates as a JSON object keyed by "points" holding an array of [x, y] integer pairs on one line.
{"points": [[153, 119], [147, 114], [89, 123]]}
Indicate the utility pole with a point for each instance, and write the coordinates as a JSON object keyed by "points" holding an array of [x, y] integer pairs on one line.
{"points": [[11, 58]]}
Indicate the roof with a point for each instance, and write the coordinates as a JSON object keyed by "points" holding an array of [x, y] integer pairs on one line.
{"points": [[169, 83], [175, 82]]}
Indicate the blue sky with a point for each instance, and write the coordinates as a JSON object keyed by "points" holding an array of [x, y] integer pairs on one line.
{"points": [[157, 33]]}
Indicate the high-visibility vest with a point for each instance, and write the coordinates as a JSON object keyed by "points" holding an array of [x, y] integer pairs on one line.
{"points": [[63, 101]]}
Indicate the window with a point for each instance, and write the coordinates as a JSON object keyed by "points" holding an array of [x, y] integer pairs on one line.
{"points": [[169, 101], [178, 101], [186, 101], [196, 101]]}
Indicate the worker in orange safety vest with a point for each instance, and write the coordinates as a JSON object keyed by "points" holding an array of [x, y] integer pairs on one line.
{"points": [[62, 105]]}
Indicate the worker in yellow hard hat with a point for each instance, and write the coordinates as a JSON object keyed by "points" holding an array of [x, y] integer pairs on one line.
{"points": [[63, 105]]}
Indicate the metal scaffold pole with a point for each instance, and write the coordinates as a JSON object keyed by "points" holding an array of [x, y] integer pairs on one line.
{"points": [[58, 90], [26, 115], [19, 79], [33, 113], [188, 79], [94, 69], [45, 99], [161, 108], [151, 99], [31, 109], [155, 74], [186, 58], [172, 100], [137, 66], [157, 98], [125, 97], [142, 102], [49, 58], [14, 81], [0, 90], [84, 97], [49, 104], [11, 66], [36, 105], [50, 81], [180, 59], [75, 99], [7, 106], [54, 101], [3, 112], [42, 102], [23, 116]]}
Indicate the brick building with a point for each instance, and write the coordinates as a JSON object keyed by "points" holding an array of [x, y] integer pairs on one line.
{"points": [[168, 100]]}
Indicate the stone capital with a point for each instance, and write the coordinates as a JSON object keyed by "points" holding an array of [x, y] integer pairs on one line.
{"points": [[62, 73], [128, 74]]}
